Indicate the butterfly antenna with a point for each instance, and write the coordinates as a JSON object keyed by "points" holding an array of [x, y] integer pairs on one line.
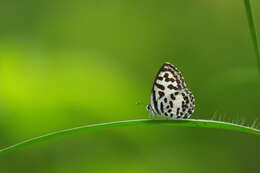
{"points": [[141, 103]]}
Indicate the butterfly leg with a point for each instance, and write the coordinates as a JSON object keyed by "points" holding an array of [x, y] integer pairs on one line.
{"points": [[151, 116]]}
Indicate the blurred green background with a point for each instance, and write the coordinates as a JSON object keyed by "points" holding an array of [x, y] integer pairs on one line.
{"points": [[69, 63]]}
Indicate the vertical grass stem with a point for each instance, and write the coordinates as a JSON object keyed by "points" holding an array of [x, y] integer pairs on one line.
{"points": [[253, 32]]}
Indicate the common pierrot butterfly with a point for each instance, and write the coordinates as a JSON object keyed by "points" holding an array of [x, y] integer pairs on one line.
{"points": [[170, 96]]}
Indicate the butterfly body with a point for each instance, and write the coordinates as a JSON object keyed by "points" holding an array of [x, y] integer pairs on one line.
{"points": [[170, 96]]}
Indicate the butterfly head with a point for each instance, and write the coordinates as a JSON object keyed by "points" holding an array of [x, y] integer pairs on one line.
{"points": [[148, 107]]}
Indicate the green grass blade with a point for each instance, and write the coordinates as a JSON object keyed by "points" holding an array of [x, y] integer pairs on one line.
{"points": [[252, 27], [138, 122]]}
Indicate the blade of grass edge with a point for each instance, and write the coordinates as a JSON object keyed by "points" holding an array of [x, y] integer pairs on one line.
{"points": [[252, 28], [138, 122]]}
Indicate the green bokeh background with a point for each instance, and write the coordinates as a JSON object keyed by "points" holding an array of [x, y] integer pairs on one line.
{"points": [[69, 63]]}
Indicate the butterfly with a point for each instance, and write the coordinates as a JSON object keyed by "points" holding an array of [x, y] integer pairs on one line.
{"points": [[170, 96]]}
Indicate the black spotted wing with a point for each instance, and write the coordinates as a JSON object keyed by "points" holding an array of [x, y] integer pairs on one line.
{"points": [[170, 96]]}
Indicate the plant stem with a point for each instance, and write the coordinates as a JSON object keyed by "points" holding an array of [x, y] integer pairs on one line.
{"points": [[252, 28], [138, 122]]}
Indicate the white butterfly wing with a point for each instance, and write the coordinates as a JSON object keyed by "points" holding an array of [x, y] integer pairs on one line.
{"points": [[170, 96]]}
